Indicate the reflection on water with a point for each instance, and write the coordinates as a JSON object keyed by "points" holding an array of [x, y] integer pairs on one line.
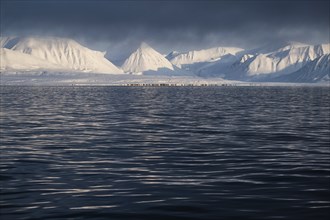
{"points": [[164, 153]]}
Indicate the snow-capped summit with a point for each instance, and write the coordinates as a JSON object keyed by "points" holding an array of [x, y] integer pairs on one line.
{"points": [[61, 51], [144, 45], [146, 58]]}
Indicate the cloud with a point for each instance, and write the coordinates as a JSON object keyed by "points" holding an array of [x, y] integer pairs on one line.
{"points": [[170, 24]]}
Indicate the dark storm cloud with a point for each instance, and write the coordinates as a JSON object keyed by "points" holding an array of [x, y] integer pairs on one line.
{"points": [[182, 24]]}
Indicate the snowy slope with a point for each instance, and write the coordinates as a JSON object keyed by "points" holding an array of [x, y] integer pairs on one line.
{"points": [[65, 52], [14, 60], [198, 56], [266, 62], [285, 61], [218, 68], [144, 59], [317, 70]]}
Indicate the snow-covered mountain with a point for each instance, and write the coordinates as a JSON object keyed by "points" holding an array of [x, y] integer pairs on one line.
{"points": [[279, 61], [198, 56], [66, 53], [266, 62], [285, 61], [317, 70], [144, 59]]}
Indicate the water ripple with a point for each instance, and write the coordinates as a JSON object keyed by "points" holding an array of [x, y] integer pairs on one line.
{"points": [[164, 153]]}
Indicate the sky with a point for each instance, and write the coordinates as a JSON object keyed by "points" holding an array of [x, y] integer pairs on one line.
{"points": [[119, 26]]}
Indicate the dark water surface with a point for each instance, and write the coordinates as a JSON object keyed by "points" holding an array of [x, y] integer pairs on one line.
{"points": [[165, 153]]}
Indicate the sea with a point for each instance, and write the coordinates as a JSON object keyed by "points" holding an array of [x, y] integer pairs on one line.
{"points": [[174, 153]]}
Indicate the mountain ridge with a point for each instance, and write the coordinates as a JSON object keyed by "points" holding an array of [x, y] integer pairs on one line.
{"points": [[276, 61]]}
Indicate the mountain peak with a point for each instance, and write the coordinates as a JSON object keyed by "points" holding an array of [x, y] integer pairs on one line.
{"points": [[145, 58], [144, 45]]}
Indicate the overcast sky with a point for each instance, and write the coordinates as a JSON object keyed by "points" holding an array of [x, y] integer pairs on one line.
{"points": [[168, 24]]}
